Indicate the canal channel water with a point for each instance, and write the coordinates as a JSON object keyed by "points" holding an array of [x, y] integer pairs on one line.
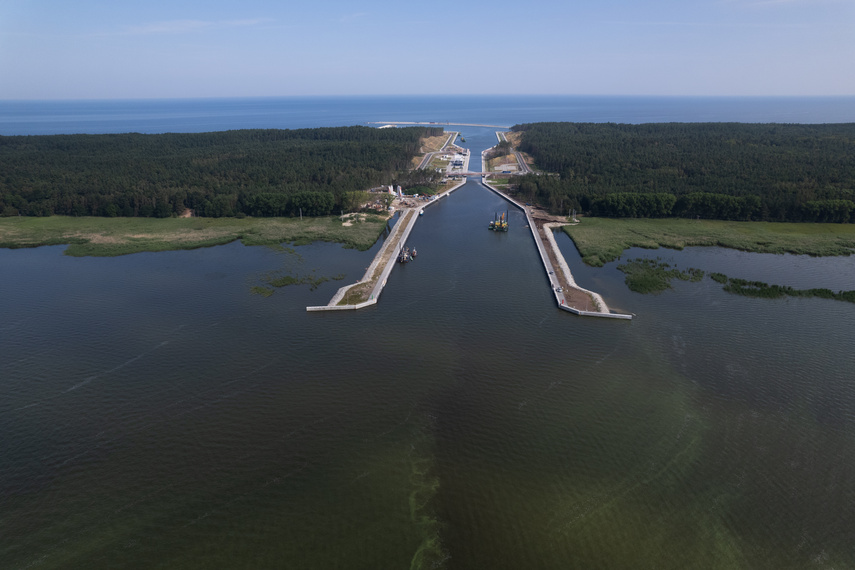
{"points": [[155, 413]]}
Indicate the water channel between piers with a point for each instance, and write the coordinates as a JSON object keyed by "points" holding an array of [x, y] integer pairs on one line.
{"points": [[568, 295]]}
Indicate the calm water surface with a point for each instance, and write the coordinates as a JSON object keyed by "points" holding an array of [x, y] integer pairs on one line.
{"points": [[155, 413], [201, 115]]}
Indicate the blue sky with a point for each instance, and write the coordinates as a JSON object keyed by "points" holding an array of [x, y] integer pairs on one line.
{"points": [[52, 49]]}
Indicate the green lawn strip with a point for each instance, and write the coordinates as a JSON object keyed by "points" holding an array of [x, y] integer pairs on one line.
{"points": [[601, 240], [106, 237]]}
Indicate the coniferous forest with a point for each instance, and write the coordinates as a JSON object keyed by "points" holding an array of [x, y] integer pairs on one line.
{"points": [[241, 172], [727, 171]]}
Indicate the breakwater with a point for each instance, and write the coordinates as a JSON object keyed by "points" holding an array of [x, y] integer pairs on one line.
{"points": [[576, 300], [366, 291]]}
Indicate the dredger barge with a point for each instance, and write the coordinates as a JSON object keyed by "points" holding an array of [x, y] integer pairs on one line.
{"points": [[499, 224]]}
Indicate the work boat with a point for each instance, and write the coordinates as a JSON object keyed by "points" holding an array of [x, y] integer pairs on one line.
{"points": [[500, 224], [405, 255]]}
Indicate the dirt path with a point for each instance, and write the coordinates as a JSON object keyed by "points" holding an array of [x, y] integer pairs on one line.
{"points": [[573, 296]]}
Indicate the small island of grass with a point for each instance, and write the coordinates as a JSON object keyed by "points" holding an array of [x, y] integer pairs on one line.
{"points": [[654, 276]]}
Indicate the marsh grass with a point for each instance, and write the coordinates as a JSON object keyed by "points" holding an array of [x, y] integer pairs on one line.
{"points": [[276, 280], [284, 281], [654, 276], [263, 291], [314, 281], [601, 240], [107, 237], [766, 291]]}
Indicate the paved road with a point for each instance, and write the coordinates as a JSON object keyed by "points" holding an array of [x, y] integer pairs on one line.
{"points": [[429, 156], [523, 166], [524, 169]]}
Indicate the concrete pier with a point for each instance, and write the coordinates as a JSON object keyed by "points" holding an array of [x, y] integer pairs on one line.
{"points": [[378, 272], [599, 307]]}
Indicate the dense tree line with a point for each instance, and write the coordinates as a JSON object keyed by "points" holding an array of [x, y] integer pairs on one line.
{"points": [[254, 172], [732, 171]]}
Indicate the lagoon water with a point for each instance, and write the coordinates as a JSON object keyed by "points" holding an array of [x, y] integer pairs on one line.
{"points": [[155, 413]]}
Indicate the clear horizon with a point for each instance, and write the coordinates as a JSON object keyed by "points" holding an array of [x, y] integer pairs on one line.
{"points": [[188, 49]]}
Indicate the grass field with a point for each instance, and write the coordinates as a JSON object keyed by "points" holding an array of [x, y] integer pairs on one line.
{"points": [[106, 237], [600, 240], [508, 159]]}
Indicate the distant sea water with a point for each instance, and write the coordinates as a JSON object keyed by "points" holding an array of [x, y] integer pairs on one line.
{"points": [[204, 115]]}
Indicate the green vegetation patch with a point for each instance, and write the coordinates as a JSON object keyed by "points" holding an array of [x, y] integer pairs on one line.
{"points": [[263, 291], [289, 273], [107, 237], [314, 281], [766, 291], [601, 240], [654, 276]]}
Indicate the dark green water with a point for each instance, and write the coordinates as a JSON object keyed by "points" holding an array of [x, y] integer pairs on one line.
{"points": [[154, 413]]}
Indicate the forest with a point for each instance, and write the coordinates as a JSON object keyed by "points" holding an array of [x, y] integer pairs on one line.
{"points": [[726, 171], [257, 172]]}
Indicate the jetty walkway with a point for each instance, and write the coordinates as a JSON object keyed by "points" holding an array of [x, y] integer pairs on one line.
{"points": [[568, 295], [366, 291]]}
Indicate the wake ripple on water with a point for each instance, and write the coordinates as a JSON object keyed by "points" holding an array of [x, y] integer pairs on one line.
{"points": [[93, 377], [119, 367]]}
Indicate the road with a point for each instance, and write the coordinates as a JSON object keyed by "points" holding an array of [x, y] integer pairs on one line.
{"points": [[429, 156], [524, 169]]}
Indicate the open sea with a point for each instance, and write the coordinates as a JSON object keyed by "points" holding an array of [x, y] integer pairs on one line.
{"points": [[203, 115], [156, 414]]}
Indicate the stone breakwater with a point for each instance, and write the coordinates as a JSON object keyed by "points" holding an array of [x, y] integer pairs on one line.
{"points": [[366, 291], [568, 295]]}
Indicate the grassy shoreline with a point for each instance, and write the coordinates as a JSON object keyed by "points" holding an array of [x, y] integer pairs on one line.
{"points": [[108, 237], [601, 240]]}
